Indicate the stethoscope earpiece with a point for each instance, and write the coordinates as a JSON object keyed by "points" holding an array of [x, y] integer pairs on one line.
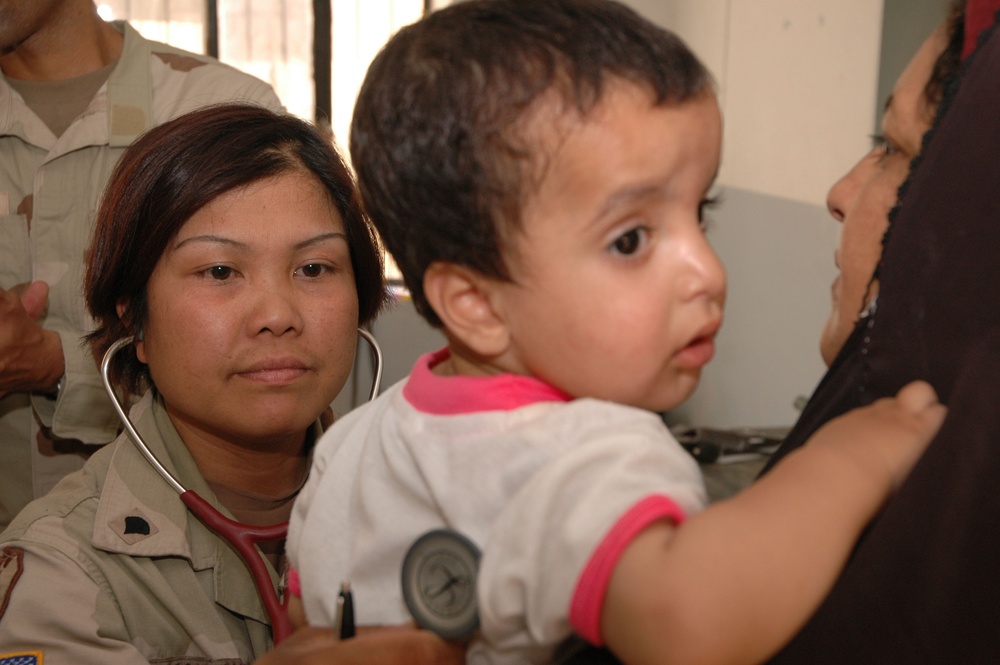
{"points": [[377, 357]]}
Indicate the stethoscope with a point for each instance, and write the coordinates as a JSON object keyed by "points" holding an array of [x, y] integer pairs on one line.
{"points": [[242, 537]]}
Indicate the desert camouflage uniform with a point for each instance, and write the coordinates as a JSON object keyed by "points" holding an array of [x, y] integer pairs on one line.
{"points": [[111, 568], [53, 185]]}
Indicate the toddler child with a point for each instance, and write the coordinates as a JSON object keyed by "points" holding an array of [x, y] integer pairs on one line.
{"points": [[539, 170]]}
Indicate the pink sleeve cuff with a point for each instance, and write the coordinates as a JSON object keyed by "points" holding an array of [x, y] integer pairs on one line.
{"points": [[294, 585], [588, 597]]}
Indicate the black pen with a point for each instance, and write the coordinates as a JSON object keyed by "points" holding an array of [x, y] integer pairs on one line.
{"points": [[345, 611]]}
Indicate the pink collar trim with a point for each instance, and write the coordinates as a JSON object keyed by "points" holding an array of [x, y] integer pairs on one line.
{"points": [[454, 395]]}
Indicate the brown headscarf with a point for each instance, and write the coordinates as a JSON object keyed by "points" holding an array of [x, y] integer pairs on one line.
{"points": [[923, 585]]}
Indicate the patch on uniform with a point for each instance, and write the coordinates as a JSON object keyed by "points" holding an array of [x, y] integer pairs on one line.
{"points": [[180, 63], [132, 527], [11, 567], [22, 658], [127, 120]]}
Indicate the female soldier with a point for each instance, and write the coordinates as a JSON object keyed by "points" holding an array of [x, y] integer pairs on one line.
{"points": [[231, 247]]}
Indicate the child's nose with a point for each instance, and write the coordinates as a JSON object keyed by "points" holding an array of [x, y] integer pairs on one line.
{"points": [[708, 273]]}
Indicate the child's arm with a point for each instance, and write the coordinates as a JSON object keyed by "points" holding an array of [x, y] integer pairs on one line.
{"points": [[395, 645], [296, 612], [737, 581]]}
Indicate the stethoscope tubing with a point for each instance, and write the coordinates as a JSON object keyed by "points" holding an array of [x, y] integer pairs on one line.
{"points": [[133, 434], [242, 537]]}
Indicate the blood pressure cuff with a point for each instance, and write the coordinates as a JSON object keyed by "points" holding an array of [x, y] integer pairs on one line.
{"points": [[923, 584]]}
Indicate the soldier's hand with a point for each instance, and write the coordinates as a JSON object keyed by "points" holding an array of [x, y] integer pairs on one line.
{"points": [[31, 357]]}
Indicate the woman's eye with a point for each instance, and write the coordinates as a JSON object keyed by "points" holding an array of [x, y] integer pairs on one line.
{"points": [[883, 146], [220, 272], [629, 242], [312, 270]]}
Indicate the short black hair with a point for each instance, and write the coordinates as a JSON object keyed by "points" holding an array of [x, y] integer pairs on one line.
{"points": [[435, 140]]}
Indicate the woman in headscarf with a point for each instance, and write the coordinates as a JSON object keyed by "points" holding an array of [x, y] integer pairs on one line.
{"points": [[922, 586]]}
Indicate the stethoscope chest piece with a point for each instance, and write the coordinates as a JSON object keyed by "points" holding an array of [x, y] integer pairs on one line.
{"points": [[439, 583]]}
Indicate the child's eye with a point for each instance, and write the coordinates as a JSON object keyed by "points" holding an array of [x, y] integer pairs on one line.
{"points": [[629, 242], [220, 273], [707, 203]]}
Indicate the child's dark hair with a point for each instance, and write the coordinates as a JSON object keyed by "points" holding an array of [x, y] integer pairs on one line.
{"points": [[442, 165]]}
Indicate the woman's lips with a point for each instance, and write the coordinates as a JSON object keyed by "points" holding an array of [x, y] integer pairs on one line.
{"points": [[279, 371]]}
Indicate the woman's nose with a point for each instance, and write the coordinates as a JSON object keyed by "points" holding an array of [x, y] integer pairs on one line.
{"points": [[275, 308], [841, 196]]}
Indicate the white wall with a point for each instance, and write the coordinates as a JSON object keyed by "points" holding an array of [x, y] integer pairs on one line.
{"points": [[797, 82]]}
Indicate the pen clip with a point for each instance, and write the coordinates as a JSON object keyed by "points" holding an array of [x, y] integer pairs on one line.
{"points": [[344, 624]]}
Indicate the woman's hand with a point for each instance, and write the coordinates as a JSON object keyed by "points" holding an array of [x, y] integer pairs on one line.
{"points": [[403, 645]]}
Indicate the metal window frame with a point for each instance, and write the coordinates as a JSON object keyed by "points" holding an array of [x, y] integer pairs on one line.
{"points": [[322, 52]]}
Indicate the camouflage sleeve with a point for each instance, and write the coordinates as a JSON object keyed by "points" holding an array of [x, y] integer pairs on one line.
{"points": [[82, 410], [53, 612]]}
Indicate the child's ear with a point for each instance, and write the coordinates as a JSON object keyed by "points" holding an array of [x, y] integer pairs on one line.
{"points": [[463, 300]]}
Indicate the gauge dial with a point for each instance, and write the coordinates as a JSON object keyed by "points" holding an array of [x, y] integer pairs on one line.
{"points": [[439, 583]]}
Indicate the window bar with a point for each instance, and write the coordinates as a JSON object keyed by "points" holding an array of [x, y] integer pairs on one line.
{"points": [[322, 62], [212, 28]]}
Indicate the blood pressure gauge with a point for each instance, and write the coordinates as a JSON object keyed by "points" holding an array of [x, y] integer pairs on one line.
{"points": [[439, 583]]}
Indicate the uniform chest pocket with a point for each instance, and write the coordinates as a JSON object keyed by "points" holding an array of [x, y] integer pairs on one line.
{"points": [[15, 249]]}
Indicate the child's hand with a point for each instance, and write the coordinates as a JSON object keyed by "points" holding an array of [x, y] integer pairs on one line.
{"points": [[394, 645], [886, 438]]}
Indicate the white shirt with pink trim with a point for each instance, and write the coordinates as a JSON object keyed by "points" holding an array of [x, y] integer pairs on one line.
{"points": [[551, 489]]}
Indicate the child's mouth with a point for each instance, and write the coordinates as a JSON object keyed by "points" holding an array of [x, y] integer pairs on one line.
{"points": [[697, 354]]}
